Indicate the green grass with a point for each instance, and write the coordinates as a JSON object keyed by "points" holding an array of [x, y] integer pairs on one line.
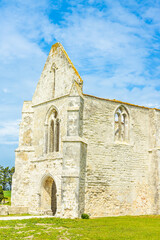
{"points": [[111, 228], [7, 194]]}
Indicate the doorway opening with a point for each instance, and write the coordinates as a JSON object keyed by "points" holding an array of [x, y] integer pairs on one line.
{"points": [[48, 196]]}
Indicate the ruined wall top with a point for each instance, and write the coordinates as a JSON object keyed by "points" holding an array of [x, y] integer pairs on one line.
{"points": [[57, 76]]}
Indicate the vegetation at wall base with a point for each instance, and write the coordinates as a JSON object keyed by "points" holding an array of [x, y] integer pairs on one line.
{"points": [[110, 228], [7, 195], [6, 198], [84, 216]]}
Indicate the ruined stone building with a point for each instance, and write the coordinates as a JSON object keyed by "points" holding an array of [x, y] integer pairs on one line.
{"points": [[79, 153]]}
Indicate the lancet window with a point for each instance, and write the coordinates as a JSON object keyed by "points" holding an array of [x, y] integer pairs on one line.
{"points": [[121, 122], [52, 132]]}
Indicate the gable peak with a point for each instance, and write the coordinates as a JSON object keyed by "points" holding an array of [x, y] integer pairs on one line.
{"points": [[59, 45]]}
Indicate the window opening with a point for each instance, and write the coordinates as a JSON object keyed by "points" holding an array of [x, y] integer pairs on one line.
{"points": [[52, 133], [121, 124]]}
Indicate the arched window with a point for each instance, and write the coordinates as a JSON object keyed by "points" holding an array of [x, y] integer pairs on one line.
{"points": [[121, 123], [57, 136], [51, 142], [52, 131]]}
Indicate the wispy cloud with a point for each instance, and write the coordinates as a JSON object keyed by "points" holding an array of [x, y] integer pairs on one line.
{"points": [[117, 44], [9, 132], [5, 90]]}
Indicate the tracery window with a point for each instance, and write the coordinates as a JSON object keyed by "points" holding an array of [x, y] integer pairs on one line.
{"points": [[121, 122], [52, 132], [52, 138]]}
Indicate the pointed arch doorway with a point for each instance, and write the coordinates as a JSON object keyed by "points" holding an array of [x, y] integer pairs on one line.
{"points": [[48, 196]]}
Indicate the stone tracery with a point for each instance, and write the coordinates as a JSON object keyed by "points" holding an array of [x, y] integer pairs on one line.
{"points": [[52, 131], [121, 120]]}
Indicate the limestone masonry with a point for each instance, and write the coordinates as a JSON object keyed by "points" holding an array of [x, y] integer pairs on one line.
{"points": [[83, 154]]}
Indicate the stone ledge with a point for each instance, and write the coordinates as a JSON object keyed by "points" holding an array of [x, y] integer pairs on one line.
{"points": [[51, 100], [122, 143], [69, 176], [25, 149], [4, 210], [74, 109], [69, 173], [74, 139], [154, 149], [17, 210], [51, 157]]}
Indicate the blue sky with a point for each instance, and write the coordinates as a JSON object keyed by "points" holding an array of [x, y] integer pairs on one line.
{"points": [[115, 46]]}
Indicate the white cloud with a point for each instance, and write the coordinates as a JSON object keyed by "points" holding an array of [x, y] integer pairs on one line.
{"points": [[113, 49], [9, 132], [5, 90]]}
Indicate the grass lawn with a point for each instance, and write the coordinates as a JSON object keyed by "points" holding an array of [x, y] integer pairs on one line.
{"points": [[111, 228], [7, 194]]}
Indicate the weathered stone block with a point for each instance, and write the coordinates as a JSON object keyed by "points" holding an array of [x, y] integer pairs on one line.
{"points": [[4, 210]]}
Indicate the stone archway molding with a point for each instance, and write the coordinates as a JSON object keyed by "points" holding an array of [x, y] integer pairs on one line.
{"points": [[48, 194]]}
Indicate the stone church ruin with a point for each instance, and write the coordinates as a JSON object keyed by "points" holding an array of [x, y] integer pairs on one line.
{"points": [[79, 153]]}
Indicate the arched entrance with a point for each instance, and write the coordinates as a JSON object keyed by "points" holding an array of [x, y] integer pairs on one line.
{"points": [[48, 196]]}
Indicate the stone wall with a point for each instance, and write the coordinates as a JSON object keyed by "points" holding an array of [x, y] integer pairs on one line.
{"points": [[6, 210], [118, 173]]}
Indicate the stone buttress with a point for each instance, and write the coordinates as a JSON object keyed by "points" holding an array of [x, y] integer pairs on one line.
{"points": [[24, 152], [74, 158]]}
